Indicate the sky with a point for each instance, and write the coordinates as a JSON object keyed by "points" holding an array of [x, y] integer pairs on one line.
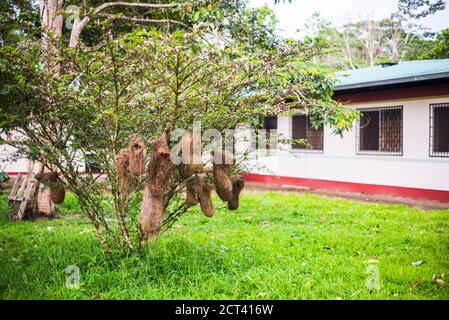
{"points": [[292, 16]]}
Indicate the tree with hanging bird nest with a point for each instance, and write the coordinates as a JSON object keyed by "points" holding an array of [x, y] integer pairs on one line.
{"points": [[120, 105]]}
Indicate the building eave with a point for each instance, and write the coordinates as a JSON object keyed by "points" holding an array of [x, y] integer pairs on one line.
{"points": [[383, 83]]}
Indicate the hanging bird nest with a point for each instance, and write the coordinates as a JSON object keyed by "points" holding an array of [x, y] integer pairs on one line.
{"points": [[136, 155], [159, 176], [237, 186], [122, 168], [191, 198], [57, 190], [130, 162], [223, 183], [199, 191], [192, 160], [227, 185]]}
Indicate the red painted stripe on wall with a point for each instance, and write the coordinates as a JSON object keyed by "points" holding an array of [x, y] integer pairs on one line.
{"points": [[16, 173], [373, 189]]}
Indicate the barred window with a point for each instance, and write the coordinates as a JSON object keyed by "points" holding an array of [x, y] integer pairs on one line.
{"points": [[302, 129], [379, 131], [439, 130]]}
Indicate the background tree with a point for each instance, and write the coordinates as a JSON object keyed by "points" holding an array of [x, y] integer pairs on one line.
{"points": [[439, 48], [416, 9], [17, 17], [368, 43]]}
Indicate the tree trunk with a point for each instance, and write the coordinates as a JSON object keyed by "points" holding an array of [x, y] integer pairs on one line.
{"points": [[51, 17], [52, 20]]}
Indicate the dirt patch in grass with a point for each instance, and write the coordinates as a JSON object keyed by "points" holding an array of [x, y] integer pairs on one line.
{"points": [[254, 188]]}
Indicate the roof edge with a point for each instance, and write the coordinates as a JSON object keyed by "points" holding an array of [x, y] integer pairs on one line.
{"points": [[362, 85]]}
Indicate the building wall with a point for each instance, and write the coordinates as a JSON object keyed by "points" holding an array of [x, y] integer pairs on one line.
{"points": [[339, 162], [11, 166]]}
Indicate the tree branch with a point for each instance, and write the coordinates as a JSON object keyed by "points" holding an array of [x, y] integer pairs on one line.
{"points": [[76, 31], [140, 20], [79, 27], [136, 5]]}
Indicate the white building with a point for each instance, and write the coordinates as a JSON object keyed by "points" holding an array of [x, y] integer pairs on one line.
{"points": [[399, 147]]}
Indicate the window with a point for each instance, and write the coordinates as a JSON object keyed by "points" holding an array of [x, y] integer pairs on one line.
{"points": [[439, 130], [379, 131], [92, 166], [302, 129], [270, 125]]}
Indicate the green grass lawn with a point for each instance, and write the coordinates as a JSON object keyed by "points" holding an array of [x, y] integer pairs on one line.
{"points": [[276, 246]]}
